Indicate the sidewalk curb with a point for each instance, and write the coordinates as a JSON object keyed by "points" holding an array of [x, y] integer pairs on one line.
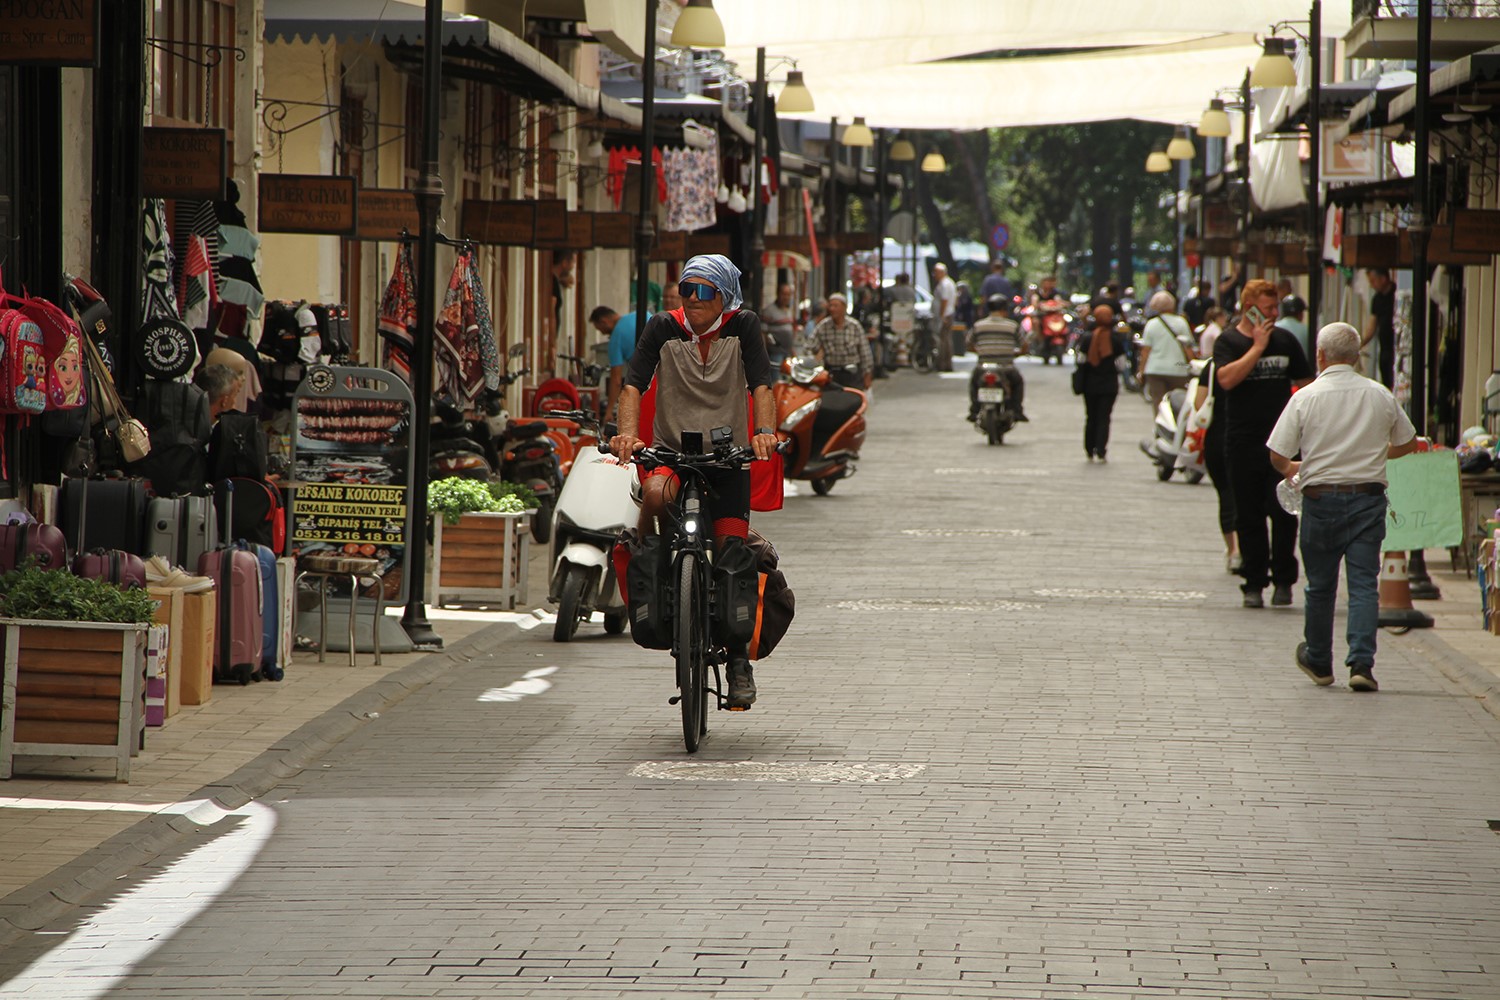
{"points": [[1473, 677], [97, 872]]}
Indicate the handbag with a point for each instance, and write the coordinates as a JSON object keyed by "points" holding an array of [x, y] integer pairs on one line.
{"points": [[1080, 379], [129, 433], [1203, 416]]}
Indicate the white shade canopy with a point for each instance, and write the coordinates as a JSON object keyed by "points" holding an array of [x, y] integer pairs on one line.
{"points": [[1167, 83]]}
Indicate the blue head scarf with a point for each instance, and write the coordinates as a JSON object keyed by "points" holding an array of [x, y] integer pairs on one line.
{"points": [[716, 268]]}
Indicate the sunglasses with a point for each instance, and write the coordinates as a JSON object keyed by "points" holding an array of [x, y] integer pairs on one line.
{"points": [[692, 289]]}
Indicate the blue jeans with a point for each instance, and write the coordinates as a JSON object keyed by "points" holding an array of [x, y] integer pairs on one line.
{"points": [[1348, 527]]}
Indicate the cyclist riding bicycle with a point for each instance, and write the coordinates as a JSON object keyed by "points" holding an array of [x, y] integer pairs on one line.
{"points": [[705, 357]]}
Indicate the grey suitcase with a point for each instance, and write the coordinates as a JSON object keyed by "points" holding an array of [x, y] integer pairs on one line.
{"points": [[181, 529]]}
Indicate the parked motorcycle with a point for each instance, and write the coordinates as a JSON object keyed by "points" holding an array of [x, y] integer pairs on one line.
{"points": [[824, 421], [456, 446], [529, 457], [996, 414], [1169, 448], [592, 509]]}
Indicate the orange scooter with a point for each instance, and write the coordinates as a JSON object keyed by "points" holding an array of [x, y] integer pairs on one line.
{"points": [[824, 421]]}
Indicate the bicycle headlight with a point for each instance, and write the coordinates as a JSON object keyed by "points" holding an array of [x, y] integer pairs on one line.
{"points": [[690, 526], [800, 414]]}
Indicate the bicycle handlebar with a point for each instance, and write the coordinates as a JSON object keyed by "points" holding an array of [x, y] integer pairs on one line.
{"points": [[657, 456]]}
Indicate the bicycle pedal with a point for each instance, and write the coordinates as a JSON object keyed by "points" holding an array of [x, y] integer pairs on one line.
{"points": [[738, 708]]}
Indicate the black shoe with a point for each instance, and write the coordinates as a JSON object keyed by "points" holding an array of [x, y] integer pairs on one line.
{"points": [[1022, 418], [741, 685], [1281, 596], [972, 417], [1321, 676], [1362, 679], [1253, 599]]}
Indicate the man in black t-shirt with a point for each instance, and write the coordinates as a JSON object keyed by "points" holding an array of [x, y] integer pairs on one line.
{"points": [[1381, 326], [1196, 306], [1257, 364]]}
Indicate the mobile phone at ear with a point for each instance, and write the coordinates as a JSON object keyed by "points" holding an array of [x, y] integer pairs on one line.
{"points": [[1255, 316]]}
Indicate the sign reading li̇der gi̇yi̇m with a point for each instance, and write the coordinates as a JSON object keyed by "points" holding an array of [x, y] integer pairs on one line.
{"points": [[349, 513]]}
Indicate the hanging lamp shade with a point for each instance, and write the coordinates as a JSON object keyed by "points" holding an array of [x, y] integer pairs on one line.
{"points": [[1181, 146], [858, 134], [902, 151], [933, 163], [795, 97], [698, 27], [557, 141], [1274, 68], [1215, 121], [1158, 162]]}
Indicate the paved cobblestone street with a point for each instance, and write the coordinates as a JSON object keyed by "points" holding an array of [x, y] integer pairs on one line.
{"points": [[1022, 742]]}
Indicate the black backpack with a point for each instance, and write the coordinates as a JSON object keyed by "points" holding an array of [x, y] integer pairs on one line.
{"points": [[237, 448], [177, 416]]}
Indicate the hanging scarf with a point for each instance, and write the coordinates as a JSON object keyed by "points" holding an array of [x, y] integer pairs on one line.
{"points": [[398, 315], [479, 305], [466, 357], [158, 299]]}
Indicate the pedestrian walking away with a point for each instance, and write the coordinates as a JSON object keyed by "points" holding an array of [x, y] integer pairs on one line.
{"points": [[1097, 380], [1165, 350], [1258, 364], [1346, 427]]}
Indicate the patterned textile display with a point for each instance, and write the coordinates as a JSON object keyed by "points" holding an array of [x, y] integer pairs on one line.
{"points": [[398, 315], [199, 290], [619, 160], [692, 177], [158, 300], [465, 354]]}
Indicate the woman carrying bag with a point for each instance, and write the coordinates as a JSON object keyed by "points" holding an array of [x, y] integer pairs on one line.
{"points": [[1097, 380]]}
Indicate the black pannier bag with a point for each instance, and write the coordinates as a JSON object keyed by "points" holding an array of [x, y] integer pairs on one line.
{"points": [[647, 589]]}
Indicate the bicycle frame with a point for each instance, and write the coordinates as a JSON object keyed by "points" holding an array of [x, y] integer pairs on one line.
{"points": [[692, 534]]}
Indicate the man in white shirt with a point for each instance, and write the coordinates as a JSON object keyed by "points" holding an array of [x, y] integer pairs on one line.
{"points": [[1346, 426], [945, 298]]}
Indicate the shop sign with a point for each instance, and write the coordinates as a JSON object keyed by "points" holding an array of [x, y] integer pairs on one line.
{"points": [[579, 233], [1376, 250], [49, 32], [1219, 221], [307, 203], [499, 223], [183, 162], [351, 466], [614, 230], [698, 243], [384, 212], [551, 222], [669, 246], [1476, 230], [1440, 250]]}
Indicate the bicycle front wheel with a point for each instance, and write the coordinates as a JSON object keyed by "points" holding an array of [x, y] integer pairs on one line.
{"points": [[692, 653]]}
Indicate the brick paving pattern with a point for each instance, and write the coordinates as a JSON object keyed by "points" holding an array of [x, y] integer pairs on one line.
{"points": [[1075, 768]]}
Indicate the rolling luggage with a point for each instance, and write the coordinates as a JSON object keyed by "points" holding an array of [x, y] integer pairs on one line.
{"points": [[181, 529], [41, 542], [122, 567], [111, 512], [271, 667], [238, 611]]}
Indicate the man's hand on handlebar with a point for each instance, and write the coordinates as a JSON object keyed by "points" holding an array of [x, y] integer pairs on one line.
{"points": [[764, 446], [625, 447]]}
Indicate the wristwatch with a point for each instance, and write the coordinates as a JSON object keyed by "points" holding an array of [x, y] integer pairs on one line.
{"points": [[763, 430]]}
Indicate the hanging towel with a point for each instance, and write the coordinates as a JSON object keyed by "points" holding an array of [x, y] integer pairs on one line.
{"points": [[398, 315], [158, 300], [692, 177]]}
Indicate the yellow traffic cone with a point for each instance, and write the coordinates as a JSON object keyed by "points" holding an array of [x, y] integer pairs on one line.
{"points": [[1396, 610]]}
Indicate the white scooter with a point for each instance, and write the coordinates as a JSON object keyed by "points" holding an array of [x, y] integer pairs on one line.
{"points": [[593, 507], [1168, 449]]}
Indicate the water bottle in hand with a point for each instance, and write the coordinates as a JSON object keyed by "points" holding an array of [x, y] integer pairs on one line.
{"points": [[1289, 494]]}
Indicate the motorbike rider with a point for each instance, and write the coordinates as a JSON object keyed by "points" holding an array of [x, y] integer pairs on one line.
{"points": [[705, 357], [996, 339], [1047, 293]]}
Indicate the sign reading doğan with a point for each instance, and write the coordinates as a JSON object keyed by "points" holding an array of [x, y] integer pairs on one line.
{"points": [[49, 32]]}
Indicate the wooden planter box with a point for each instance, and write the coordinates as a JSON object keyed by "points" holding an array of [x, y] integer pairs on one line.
{"points": [[71, 689], [481, 559]]}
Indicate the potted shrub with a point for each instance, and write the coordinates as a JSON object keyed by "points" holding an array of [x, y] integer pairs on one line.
{"points": [[72, 665], [479, 542]]}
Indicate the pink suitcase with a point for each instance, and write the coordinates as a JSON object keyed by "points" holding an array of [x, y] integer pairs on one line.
{"points": [[237, 648], [42, 542], [123, 569]]}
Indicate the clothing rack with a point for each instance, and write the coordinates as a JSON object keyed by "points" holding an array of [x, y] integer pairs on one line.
{"points": [[442, 239]]}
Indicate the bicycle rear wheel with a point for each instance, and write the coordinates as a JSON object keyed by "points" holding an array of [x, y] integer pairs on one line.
{"points": [[692, 653]]}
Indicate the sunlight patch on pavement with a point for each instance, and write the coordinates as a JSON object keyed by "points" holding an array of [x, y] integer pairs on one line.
{"points": [[967, 532], [110, 943], [533, 683], [933, 604], [776, 771], [990, 470], [1107, 594]]}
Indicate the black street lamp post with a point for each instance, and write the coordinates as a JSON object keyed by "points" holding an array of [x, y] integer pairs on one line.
{"points": [[645, 232]]}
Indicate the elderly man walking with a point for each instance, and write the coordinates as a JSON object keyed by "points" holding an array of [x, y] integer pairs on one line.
{"points": [[1345, 426]]}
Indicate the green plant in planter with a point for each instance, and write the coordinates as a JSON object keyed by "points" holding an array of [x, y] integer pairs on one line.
{"points": [[523, 493], [454, 497], [58, 596]]}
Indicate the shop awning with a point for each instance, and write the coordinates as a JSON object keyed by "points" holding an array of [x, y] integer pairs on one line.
{"points": [[505, 59], [1473, 81], [785, 259], [1336, 99]]}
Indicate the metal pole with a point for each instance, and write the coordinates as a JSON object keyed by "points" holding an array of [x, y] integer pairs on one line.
{"points": [[831, 211], [757, 206], [1244, 160], [429, 203], [1417, 404], [1314, 180], [645, 232]]}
